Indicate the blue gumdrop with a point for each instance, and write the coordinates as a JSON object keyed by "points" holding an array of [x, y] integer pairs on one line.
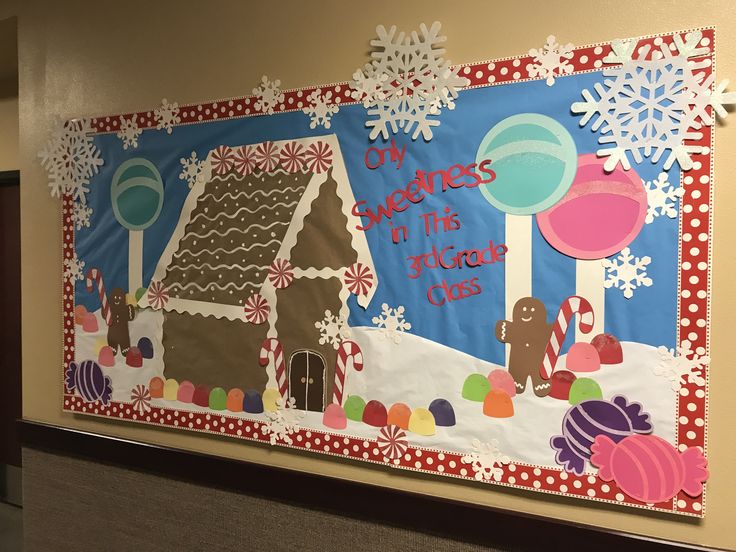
{"points": [[444, 414], [252, 402], [145, 347]]}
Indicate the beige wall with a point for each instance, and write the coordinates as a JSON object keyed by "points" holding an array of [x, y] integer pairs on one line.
{"points": [[80, 60]]}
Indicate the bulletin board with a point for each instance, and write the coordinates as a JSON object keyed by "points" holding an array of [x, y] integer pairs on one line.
{"points": [[495, 271]]}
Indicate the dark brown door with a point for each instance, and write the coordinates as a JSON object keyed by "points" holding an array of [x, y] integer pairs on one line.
{"points": [[307, 380]]}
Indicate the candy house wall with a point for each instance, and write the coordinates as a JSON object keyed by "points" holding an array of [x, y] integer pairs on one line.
{"points": [[81, 59]]}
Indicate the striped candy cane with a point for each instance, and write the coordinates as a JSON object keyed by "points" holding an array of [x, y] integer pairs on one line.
{"points": [[347, 350], [571, 306], [95, 276], [273, 346]]}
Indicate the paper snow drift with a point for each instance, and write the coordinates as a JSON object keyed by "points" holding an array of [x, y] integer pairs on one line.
{"points": [[496, 271]]}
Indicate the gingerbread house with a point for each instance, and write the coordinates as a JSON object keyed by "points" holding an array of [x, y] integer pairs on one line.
{"points": [[265, 244]]}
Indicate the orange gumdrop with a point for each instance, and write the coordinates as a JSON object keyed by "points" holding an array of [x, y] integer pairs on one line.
{"points": [[79, 312], [497, 404], [399, 415], [235, 400], [156, 388]]}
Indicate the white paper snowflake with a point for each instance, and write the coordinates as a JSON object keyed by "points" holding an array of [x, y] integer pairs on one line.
{"points": [[81, 215], [550, 61], [683, 367], [282, 422], [320, 109], [194, 170], [333, 329], [268, 95], [486, 460], [71, 159], [626, 272], [167, 115], [73, 268], [653, 104], [129, 132], [407, 81], [391, 322], [662, 197]]}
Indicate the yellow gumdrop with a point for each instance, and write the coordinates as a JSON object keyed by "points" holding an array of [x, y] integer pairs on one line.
{"points": [[270, 396], [171, 389], [421, 422]]}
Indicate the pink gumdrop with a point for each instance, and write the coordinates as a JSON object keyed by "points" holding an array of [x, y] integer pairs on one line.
{"points": [[583, 357], [334, 417], [89, 323], [106, 357], [185, 393], [502, 380]]}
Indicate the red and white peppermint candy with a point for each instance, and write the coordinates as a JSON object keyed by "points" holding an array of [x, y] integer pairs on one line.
{"points": [[359, 279], [223, 160], [267, 156], [319, 157], [292, 157], [158, 295], [141, 399], [256, 309], [392, 442], [281, 273], [245, 160]]}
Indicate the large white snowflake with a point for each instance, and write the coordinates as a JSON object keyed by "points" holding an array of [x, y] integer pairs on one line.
{"points": [[194, 170], [626, 272], [550, 61], [653, 104], [129, 132], [683, 367], [71, 159], [268, 95], [407, 81], [486, 460], [333, 329], [320, 109], [167, 115], [392, 322], [81, 215], [73, 268], [662, 197], [282, 422]]}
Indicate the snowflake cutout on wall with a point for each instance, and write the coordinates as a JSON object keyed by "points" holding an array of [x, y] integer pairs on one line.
{"points": [[81, 215], [391, 322], [167, 115], [407, 81], [333, 329], [626, 272], [681, 368], [282, 422], [268, 95], [320, 109], [73, 268], [129, 132], [550, 61], [194, 171], [653, 104], [71, 159], [662, 197], [486, 460]]}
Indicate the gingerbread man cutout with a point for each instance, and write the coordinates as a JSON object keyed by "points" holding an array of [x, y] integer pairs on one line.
{"points": [[121, 313], [528, 334]]}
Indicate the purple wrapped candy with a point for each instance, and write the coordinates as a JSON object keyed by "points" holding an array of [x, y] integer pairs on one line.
{"points": [[89, 381], [584, 422]]}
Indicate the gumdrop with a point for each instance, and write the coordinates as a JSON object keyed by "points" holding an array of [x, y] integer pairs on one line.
{"points": [[476, 387], [186, 392], [235, 400], [140, 292], [146, 347], [422, 422], [334, 417], [561, 381], [354, 407], [156, 388], [270, 396], [399, 415], [609, 349], [583, 357], [80, 312], [106, 357], [89, 323], [374, 414], [254, 404], [444, 414], [171, 388], [501, 379], [584, 389], [497, 404], [218, 399], [201, 396], [133, 358]]}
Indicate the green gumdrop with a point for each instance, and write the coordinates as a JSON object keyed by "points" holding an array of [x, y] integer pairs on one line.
{"points": [[354, 407], [476, 387], [584, 389], [139, 293], [218, 399]]}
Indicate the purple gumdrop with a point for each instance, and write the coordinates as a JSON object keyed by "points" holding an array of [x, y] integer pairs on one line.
{"points": [[252, 402], [145, 347], [443, 413]]}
